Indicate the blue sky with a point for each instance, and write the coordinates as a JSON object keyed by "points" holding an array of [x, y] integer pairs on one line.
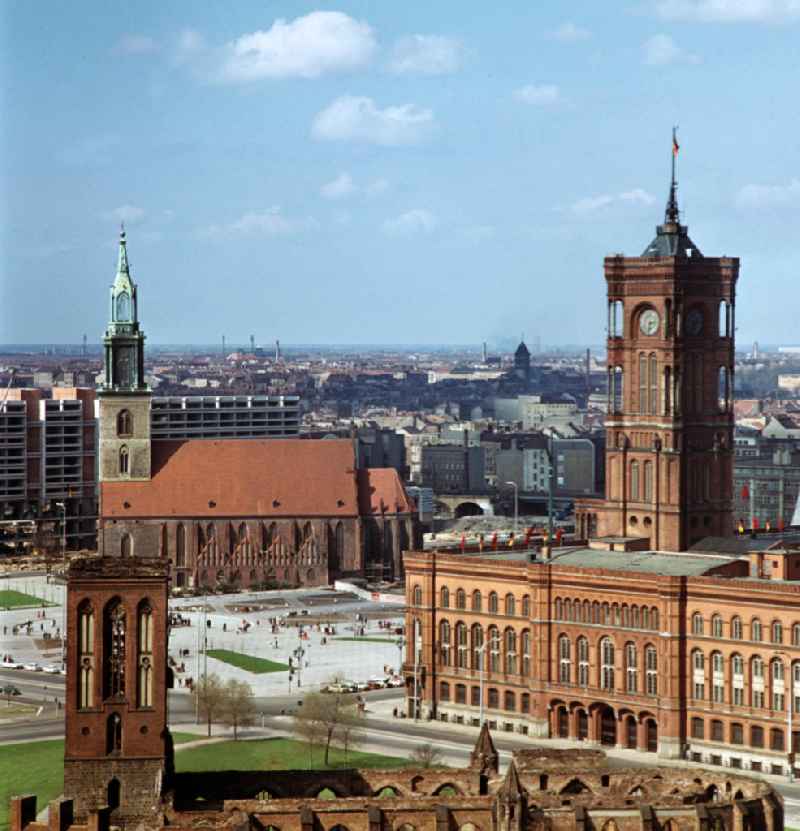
{"points": [[370, 172]]}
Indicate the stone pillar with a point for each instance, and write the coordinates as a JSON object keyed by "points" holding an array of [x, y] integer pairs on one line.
{"points": [[594, 727], [641, 736], [60, 816], [22, 812]]}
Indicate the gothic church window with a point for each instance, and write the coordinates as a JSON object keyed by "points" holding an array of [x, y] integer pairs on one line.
{"points": [[114, 649], [124, 424], [126, 546], [145, 656], [123, 306], [85, 655], [123, 460]]}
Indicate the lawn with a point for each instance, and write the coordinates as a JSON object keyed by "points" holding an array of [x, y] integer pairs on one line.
{"points": [[275, 754], [247, 662], [368, 640], [12, 599], [35, 767]]}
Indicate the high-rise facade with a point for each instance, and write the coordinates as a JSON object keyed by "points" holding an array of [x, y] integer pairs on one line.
{"points": [[669, 430]]}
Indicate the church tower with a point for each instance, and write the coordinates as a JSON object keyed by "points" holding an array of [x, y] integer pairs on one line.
{"points": [[124, 396], [669, 428]]}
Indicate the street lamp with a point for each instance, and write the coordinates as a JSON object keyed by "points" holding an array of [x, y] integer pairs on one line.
{"points": [[516, 504]]}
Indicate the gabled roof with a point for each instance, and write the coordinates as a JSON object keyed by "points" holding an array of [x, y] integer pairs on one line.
{"points": [[240, 478], [380, 491], [511, 787]]}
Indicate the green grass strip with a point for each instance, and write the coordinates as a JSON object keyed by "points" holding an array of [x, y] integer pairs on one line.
{"points": [[250, 663], [12, 599]]}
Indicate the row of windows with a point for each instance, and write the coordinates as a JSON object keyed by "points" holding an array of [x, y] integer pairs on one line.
{"points": [[608, 614], [736, 734], [755, 687], [114, 653], [736, 629], [577, 670], [493, 698], [510, 605], [467, 648]]}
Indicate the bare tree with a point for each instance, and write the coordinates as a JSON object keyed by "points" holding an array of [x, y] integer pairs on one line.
{"points": [[426, 756], [326, 718], [208, 694], [238, 705]]}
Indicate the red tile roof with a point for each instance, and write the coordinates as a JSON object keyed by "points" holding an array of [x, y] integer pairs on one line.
{"points": [[381, 491], [242, 478]]}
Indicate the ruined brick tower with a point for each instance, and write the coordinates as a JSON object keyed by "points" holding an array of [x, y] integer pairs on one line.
{"points": [[117, 750], [669, 429]]}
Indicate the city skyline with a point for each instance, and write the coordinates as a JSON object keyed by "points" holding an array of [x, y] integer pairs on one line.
{"points": [[299, 172]]}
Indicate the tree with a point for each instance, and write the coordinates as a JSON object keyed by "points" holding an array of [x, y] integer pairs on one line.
{"points": [[238, 705], [208, 694], [8, 691], [326, 718], [426, 756]]}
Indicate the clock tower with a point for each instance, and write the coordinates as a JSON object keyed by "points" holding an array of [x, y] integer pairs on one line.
{"points": [[124, 396], [669, 428]]}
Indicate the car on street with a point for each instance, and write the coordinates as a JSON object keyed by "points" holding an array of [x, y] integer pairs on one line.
{"points": [[53, 669], [343, 687], [33, 667], [396, 681], [10, 664]]}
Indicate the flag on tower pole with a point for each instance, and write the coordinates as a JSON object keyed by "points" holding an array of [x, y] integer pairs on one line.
{"points": [[675, 146]]}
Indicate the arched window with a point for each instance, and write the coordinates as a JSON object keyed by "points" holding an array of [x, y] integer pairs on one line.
{"points": [[697, 623], [477, 646], [126, 545], [618, 389], [653, 385], [757, 698], [796, 634], [643, 383], [777, 631], [494, 649], [607, 664], [583, 661], [511, 651], [564, 660], [526, 652], [698, 675], [444, 691], [180, 546], [114, 633], [634, 479], [145, 655], [631, 668], [717, 678], [114, 734], [778, 685], [755, 630], [493, 603], [648, 482], [444, 642], [526, 606], [476, 601], [417, 596], [123, 307], [444, 597], [667, 391], [511, 606], [559, 609], [716, 626], [124, 424], [461, 599], [462, 646], [509, 701], [124, 462], [737, 680], [736, 628], [651, 668], [654, 618], [85, 655]]}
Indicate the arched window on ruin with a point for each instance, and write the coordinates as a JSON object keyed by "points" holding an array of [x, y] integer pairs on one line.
{"points": [[511, 651], [114, 794], [114, 734], [85, 655], [124, 424], [564, 660], [444, 643], [476, 601], [180, 546], [144, 657], [126, 545], [651, 669], [387, 792], [124, 461], [444, 597], [114, 634], [476, 635]]}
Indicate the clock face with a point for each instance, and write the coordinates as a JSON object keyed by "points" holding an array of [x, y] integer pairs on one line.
{"points": [[694, 322], [648, 322]]}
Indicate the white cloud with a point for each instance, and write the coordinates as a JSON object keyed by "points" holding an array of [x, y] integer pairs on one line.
{"points": [[415, 221], [425, 55], [352, 118], [306, 47], [129, 214], [730, 11], [594, 204], [135, 45], [570, 33], [269, 223], [339, 188], [538, 94], [661, 50], [769, 196]]}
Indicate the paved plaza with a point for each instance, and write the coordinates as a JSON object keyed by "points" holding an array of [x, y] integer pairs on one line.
{"points": [[274, 625]]}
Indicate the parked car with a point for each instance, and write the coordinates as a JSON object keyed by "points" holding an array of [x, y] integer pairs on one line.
{"points": [[343, 687], [33, 667], [377, 682], [396, 681], [10, 664], [53, 669]]}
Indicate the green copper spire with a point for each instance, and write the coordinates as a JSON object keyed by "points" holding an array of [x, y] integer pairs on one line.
{"points": [[122, 262]]}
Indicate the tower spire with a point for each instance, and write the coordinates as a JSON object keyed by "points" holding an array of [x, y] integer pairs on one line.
{"points": [[672, 215], [122, 262]]}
